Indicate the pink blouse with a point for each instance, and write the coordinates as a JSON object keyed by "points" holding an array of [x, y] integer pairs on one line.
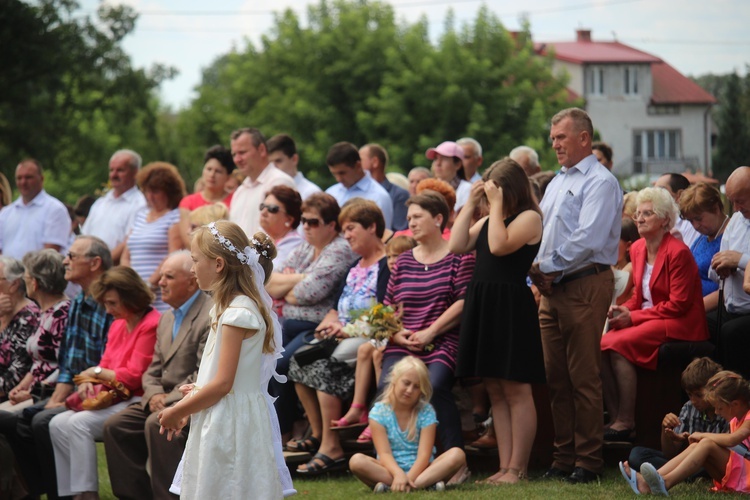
{"points": [[130, 353]]}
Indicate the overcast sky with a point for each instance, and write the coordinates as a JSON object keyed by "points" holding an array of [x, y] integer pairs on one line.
{"points": [[694, 36]]}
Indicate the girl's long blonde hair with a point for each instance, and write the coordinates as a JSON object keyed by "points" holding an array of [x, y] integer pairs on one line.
{"points": [[235, 277], [425, 387]]}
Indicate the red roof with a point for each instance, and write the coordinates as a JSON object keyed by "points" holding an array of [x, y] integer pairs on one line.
{"points": [[671, 87], [596, 52]]}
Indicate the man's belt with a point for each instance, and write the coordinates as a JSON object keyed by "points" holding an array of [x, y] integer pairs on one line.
{"points": [[586, 271]]}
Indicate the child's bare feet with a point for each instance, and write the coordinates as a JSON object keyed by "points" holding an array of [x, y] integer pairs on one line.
{"points": [[640, 482]]}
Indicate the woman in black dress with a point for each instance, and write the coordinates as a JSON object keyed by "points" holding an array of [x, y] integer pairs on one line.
{"points": [[500, 338]]}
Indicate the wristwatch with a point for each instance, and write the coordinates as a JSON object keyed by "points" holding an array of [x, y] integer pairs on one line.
{"points": [[97, 370]]}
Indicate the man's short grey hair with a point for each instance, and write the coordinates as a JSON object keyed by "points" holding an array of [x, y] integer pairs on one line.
{"points": [[46, 267], [474, 143], [99, 249], [134, 161], [662, 202], [423, 170], [13, 270], [183, 253], [527, 152]]}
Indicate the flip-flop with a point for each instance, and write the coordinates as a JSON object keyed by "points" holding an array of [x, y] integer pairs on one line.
{"points": [[631, 479], [654, 479], [313, 468]]}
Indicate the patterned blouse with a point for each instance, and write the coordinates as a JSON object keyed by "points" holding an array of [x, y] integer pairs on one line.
{"points": [[315, 294], [44, 344], [14, 359]]}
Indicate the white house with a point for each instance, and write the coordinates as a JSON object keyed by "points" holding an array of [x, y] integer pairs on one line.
{"points": [[655, 119]]}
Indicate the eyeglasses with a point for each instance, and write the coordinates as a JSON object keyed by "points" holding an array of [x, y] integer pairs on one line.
{"points": [[272, 209], [310, 222], [73, 256], [645, 214]]}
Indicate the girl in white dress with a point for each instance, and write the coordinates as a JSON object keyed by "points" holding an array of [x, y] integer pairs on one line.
{"points": [[234, 445]]}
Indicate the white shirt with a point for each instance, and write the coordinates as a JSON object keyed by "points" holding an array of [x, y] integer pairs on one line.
{"points": [[462, 194], [111, 218], [304, 186], [736, 237], [27, 228], [250, 194]]}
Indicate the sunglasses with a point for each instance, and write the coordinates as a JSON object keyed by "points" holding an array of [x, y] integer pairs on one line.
{"points": [[272, 209], [310, 222]]}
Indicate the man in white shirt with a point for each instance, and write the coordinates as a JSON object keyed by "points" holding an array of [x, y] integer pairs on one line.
{"points": [[251, 157], [282, 152], [345, 165], [730, 264], [676, 184], [35, 220], [472, 158], [111, 217]]}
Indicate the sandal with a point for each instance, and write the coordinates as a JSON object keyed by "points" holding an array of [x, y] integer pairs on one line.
{"points": [[310, 444], [315, 468], [343, 423], [366, 436]]}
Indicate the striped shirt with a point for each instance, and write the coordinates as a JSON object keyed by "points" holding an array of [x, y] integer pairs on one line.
{"points": [[148, 244], [425, 293], [85, 337], [693, 420]]}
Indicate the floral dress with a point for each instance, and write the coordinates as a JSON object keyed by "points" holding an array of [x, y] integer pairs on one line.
{"points": [[43, 345], [14, 359]]}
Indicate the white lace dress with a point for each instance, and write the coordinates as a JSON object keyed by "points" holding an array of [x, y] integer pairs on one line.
{"points": [[234, 447]]}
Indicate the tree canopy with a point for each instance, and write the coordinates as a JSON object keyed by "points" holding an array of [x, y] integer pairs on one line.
{"points": [[354, 73], [69, 95]]}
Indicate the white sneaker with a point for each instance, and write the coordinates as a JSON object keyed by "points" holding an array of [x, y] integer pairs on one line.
{"points": [[439, 486], [381, 488]]}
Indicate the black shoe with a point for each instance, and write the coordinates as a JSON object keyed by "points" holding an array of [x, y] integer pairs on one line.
{"points": [[555, 474], [581, 476], [625, 435]]}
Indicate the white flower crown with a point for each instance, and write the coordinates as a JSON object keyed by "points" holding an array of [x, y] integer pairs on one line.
{"points": [[245, 255]]}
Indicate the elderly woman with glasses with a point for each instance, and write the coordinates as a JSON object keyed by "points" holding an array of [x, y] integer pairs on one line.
{"points": [[19, 318], [280, 213], [308, 285], [45, 283], [667, 304]]}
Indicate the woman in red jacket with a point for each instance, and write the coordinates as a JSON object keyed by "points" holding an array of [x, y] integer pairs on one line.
{"points": [[667, 304], [129, 351]]}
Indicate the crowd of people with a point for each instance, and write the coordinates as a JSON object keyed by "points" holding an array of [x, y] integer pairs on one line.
{"points": [[197, 335]]}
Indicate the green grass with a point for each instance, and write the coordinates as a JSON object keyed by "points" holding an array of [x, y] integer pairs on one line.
{"points": [[346, 487]]}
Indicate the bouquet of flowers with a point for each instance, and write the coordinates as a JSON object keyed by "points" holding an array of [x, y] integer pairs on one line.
{"points": [[377, 323]]}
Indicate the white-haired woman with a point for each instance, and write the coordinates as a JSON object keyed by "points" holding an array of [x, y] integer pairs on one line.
{"points": [[667, 304]]}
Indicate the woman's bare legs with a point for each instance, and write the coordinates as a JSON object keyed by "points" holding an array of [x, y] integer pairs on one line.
{"points": [[362, 382], [501, 421], [627, 381], [523, 428]]}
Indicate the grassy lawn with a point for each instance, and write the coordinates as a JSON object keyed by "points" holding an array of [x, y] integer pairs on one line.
{"points": [[346, 487]]}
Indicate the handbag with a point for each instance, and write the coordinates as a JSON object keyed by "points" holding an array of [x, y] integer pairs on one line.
{"points": [[106, 393], [314, 349]]}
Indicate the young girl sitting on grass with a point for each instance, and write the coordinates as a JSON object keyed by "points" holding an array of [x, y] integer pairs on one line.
{"points": [[724, 456], [403, 427]]}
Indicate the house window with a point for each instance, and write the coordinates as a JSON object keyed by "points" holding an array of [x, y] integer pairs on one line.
{"points": [[652, 147], [631, 80], [595, 81]]}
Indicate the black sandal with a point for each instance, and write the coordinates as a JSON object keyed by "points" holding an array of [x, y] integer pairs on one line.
{"points": [[313, 468], [309, 445]]}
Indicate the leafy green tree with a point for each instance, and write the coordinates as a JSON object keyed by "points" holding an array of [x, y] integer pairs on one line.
{"points": [[733, 144], [69, 95], [355, 74]]}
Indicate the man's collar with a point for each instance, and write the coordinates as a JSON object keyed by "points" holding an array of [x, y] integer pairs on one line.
{"points": [[36, 200], [185, 307], [582, 166]]}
